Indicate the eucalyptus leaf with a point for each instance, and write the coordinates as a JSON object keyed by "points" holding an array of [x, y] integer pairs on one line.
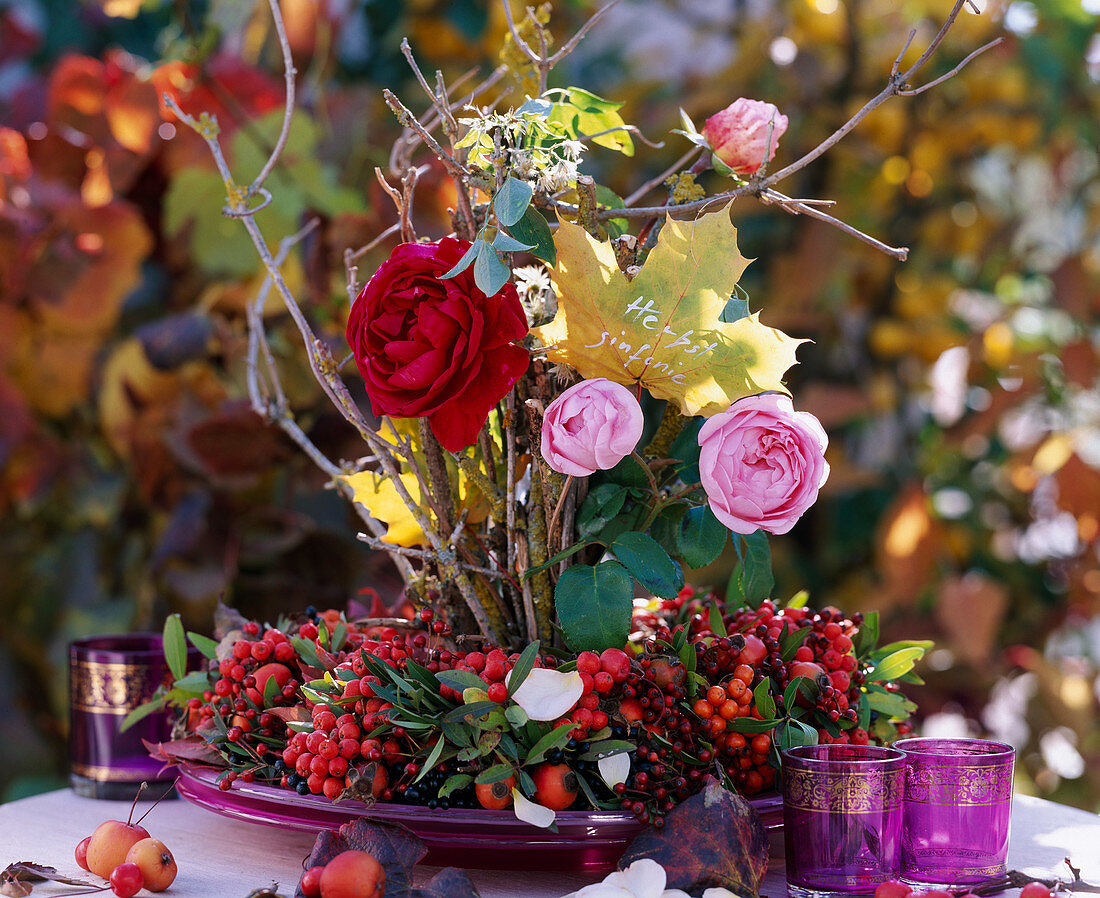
{"points": [[175, 646], [512, 201]]}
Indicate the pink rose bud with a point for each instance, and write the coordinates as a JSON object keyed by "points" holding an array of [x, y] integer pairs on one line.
{"points": [[591, 427], [739, 134], [761, 463]]}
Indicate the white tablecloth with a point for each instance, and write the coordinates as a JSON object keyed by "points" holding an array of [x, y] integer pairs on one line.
{"points": [[222, 858]]}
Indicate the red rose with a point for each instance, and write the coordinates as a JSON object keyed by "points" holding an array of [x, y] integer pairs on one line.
{"points": [[436, 348]]}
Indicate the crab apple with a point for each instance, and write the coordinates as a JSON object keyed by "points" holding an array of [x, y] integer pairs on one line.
{"points": [[126, 880], [310, 883], [158, 867], [495, 796], [754, 651], [82, 853], [353, 874], [556, 785], [1035, 890], [107, 846], [891, 888], [615, 662], [280, 673]]}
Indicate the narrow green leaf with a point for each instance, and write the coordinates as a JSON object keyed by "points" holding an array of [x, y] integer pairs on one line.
{"points": [[791, 641], [142, 711], [175, 646], [466, 261], [895, 664], [752, 725], [799, 600], [606, 749], [307, 650], [472, 710], [557, 559], [495, 774], [432, 759], [556, 738], [460, 679], [867, 635], [271, 692], [717, 625], [648, 563], [523, 666], [339, 636], [803, 685], [512, 200], [206, 645], [702, 537], [594, 605], [762, 698]]}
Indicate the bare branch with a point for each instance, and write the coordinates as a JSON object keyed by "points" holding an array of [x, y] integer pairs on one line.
{"points": [[663, 176], [519, 41], [799, 208], [919, 90], [632, 129], [288, 110], [570, 45], [897, 62]]}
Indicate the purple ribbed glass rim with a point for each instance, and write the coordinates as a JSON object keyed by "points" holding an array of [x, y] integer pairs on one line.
{"points": [[813, 756]]}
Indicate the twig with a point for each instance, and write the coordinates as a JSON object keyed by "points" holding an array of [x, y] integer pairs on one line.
{"points": [[796, 207], [570, 45], [408, 235], [288, 110], [919, 90], [428, 555], [350, 257], [632, 129], [663, 176], [398, 623]]}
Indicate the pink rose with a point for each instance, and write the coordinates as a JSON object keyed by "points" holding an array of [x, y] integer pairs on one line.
{"points": [[739, 134], [591, 426], [761, 463]]}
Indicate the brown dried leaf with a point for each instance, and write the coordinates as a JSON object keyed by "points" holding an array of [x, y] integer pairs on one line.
{"points": [[193, 750], [447, 883], [714, 839], [397, 849]]}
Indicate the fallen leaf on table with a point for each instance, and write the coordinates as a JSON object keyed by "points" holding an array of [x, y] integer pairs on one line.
{"points": [[714, 839]]}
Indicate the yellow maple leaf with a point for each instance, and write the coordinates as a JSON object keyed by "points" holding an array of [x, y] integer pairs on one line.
{"points": [[661, 329], [377, 493]]}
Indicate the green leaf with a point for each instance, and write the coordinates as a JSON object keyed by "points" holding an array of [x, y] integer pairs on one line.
{"points": [[455, 782], [762, 698], [584, 114], [752, 725], [557, 559], [649, 563], [431, 760], [271, 692], [339, 636], [606, 749], [803, 685], [523, 666], [599, 507], [506, 244], [466, 261], [895, 664], [864, 719], [516, 716], [666, 528], [512, 201], [686, 448], [460, 679], [752, 580], [800, 598], [714, 616], [793, 733], [307, 650], [893, 704], [594, 605], [867, 637], [197, 682], [791, 641], [142, 711], [556, 738], [472, 711], [206, 645], [702, 537], [923, 644], [533, 230], [175, 646], [490, 272], [495, 774]]}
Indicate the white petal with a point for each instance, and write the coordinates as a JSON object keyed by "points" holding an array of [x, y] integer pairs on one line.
{"points": [[719, 892], [529, 812], [674, 893], [615, 768], [602, 890], [644, 878], [548, 694]]}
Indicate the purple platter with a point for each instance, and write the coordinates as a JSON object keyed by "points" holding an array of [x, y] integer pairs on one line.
{"points": [[586, 841]]}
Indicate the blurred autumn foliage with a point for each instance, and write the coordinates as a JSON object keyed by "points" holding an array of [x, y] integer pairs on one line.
{"points": [[959, 388]]}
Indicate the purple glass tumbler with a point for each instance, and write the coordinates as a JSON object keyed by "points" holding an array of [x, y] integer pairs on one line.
{"points": [[109, 676], [842, 812], [958, 801]]}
